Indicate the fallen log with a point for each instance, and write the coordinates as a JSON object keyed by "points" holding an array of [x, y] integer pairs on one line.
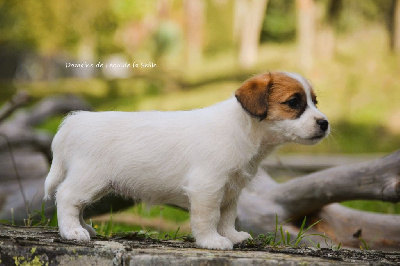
{"points": [[351, 227], [312, 195]]}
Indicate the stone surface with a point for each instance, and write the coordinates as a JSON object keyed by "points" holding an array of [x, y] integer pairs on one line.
{"points": [[43, 246]]}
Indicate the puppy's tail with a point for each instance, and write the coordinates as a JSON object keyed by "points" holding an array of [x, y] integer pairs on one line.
{"points": [[54, 178]]}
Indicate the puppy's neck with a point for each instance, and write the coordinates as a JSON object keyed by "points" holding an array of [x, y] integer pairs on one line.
{"points": [[257, 133]]}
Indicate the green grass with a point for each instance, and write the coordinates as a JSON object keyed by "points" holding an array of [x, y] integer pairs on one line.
{"points": [[51, 125], [166, 212], [374, 206], [283, 238], [174, 215], [277, 238], [117, 229]]}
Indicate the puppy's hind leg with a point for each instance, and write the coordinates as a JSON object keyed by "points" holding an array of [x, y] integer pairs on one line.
{"points": [[71, 198], [68, 209]]}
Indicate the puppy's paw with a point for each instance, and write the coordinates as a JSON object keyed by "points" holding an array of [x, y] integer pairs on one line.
{"points": [[237, 237], [78, 234], [214, 242]]}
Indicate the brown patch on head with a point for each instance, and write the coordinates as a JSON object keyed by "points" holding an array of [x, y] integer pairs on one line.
{"points": [[287, 98], [273, 96], [313, 96], [253, 95]]}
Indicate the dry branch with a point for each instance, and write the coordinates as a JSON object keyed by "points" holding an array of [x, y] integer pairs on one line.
{"points": [[309, 195], [17, 101], [49, 107], [20, 129], [377, 180]]}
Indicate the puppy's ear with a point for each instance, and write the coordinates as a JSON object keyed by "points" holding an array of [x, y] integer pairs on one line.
{"points": [[253, 95]]}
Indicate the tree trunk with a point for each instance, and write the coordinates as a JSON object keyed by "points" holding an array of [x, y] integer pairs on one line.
{"points": [[194, 30], [306, 32], [396, 27], [249, 17], [86, 54]]}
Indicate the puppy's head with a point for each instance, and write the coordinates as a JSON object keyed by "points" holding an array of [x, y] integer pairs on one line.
{"points": [[286, 103]]}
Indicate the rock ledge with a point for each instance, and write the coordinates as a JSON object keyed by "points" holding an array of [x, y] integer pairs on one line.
{"points": [[43, 246]]}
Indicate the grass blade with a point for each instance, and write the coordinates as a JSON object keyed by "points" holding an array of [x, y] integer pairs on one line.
{"points": [[366, 247], [276, 226], [308, 228], [109, 225], [54, 221], [298, 239], [302, 225], [176, 233], [282, 235]]}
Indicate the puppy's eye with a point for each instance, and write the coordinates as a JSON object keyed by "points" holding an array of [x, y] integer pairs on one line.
{"points": [[293, 103]]}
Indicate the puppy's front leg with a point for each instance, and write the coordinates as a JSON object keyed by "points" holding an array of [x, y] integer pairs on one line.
{"points": [[204, 218], [226, 225]]}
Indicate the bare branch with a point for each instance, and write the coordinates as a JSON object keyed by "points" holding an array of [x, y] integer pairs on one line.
{"points": [[20, 131], [17, 176], [49, 107], [17, 101], [376, 180], [309, 195]]}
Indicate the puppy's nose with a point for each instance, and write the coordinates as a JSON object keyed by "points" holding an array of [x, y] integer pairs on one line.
{"points": [[323, 124]]}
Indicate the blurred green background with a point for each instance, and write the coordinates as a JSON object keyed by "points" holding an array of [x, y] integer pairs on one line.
{"points": [[198, 53]]}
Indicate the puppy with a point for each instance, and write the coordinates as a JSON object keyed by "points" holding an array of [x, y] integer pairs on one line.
{"points": [[199, 160]]}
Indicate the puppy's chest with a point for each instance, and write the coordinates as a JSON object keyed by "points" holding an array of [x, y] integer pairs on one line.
{"points": [[241, 177]]}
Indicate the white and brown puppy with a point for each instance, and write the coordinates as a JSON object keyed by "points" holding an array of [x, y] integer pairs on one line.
{"points": [[199, 159]]}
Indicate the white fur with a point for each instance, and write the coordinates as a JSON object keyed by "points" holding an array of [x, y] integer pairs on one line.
{"points": [[199, 160]]}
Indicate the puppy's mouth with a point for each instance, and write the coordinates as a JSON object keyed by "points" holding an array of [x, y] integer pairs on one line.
{"points": [[311, 140], [317, 137]]}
